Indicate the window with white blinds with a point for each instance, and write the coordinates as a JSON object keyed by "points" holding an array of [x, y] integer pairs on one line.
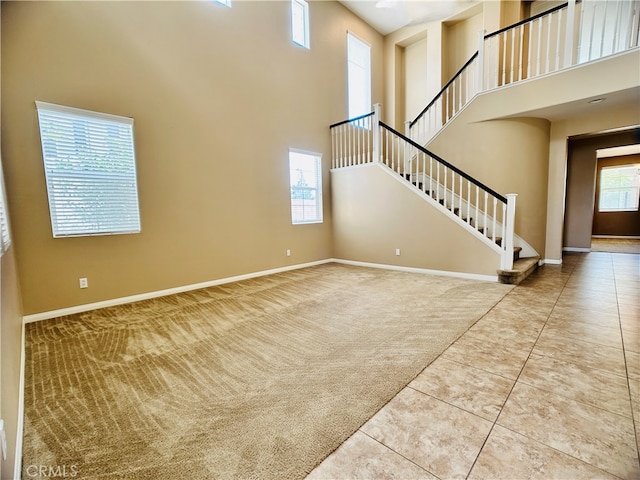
{"points": [[90, 169]]}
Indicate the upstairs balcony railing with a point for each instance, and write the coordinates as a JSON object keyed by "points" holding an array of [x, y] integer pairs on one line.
{"points": [[567, 35]]}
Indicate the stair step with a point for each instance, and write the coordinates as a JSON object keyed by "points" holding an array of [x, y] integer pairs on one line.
{"points": [[522, 268]]}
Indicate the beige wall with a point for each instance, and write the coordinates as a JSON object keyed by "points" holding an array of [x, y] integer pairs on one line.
{"points": [[218, 96], [10, 353], [608, 118], [10, 349], [416, 78], [509, 156], [462, 43], [375, 213], [581, 184]]}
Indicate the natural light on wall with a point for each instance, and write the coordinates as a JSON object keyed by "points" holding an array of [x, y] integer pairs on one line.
{"points": [[619, 188], [90, 170], [305, 180]]}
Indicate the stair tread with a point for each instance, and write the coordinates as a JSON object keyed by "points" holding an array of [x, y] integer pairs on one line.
{"points": [[520, 266]]}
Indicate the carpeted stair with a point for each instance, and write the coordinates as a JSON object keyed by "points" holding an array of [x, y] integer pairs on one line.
{"points": [[522, 267]]}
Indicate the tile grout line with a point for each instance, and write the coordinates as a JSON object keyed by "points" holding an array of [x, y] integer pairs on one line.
{"points": [[495, 422], [398, 453]]}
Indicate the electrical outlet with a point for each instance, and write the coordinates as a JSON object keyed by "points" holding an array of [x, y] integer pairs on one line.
{"points": [[288, 252], [397, 251], [84, 283]]}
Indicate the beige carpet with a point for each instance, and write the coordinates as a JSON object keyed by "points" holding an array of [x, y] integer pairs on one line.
{"points": [[256, 379]]}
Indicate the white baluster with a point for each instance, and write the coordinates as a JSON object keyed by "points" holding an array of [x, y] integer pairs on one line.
{"points": [[539, 53], [460, 202], [481, 55], [570, 29], [477, 203], [430, 176], [520, 54], [513, 56], [468, 202], [437, 181], [548, 52], [377, 151], [486, 208], [495, 213], [509, 232], [559, 40]]}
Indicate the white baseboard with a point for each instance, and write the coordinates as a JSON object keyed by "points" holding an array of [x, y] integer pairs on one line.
{"points": [[576, 249], [619, 237], [162, 293], [445, 273], [550, 261]]}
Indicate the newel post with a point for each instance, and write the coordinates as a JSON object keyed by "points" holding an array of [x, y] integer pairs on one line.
{"points": [[509, 231], [569, 42], [376, 132], [480, 79], [408, 156]]}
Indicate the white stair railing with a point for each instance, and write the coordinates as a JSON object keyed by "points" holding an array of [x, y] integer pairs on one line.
{"points": [[352, 141], [569, 34], [484, 212]]}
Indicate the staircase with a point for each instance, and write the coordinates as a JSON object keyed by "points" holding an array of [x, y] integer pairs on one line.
{"points": [[563, 37]]}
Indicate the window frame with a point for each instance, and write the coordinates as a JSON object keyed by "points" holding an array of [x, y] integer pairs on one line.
{"points": [[90, 170], [306, 43], [319, 209], [634, 188], [354, 110]]}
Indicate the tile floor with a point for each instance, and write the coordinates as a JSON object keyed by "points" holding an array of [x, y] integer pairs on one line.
{"points": [[546, 385]]}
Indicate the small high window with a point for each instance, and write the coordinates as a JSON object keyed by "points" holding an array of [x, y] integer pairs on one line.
{"points": [[226, 3], [619, 188], [300, 23], [90, 170], [305, 179]]}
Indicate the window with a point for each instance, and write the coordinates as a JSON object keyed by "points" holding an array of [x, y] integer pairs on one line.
{"points": [[5, 238], [619, 188], [226, 3], [300, 22], [90, 170], [359, 76], [305, 179]]}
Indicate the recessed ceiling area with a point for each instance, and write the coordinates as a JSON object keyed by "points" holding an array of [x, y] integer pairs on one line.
{"points": [[387, 16]]}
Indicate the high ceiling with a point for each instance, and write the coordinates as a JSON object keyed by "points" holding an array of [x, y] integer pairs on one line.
{"points": [[387, 16]]}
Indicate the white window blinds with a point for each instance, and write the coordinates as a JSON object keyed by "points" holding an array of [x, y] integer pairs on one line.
{"points": [[90, 170]]}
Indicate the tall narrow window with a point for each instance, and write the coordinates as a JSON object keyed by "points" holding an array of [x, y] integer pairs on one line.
{"points": [[300, 22], [305, 179], [90, 169], [619, 188], [359, 76]]}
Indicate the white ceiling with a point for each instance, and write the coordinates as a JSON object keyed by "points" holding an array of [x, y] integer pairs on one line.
{"points": [[391, 15]]}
